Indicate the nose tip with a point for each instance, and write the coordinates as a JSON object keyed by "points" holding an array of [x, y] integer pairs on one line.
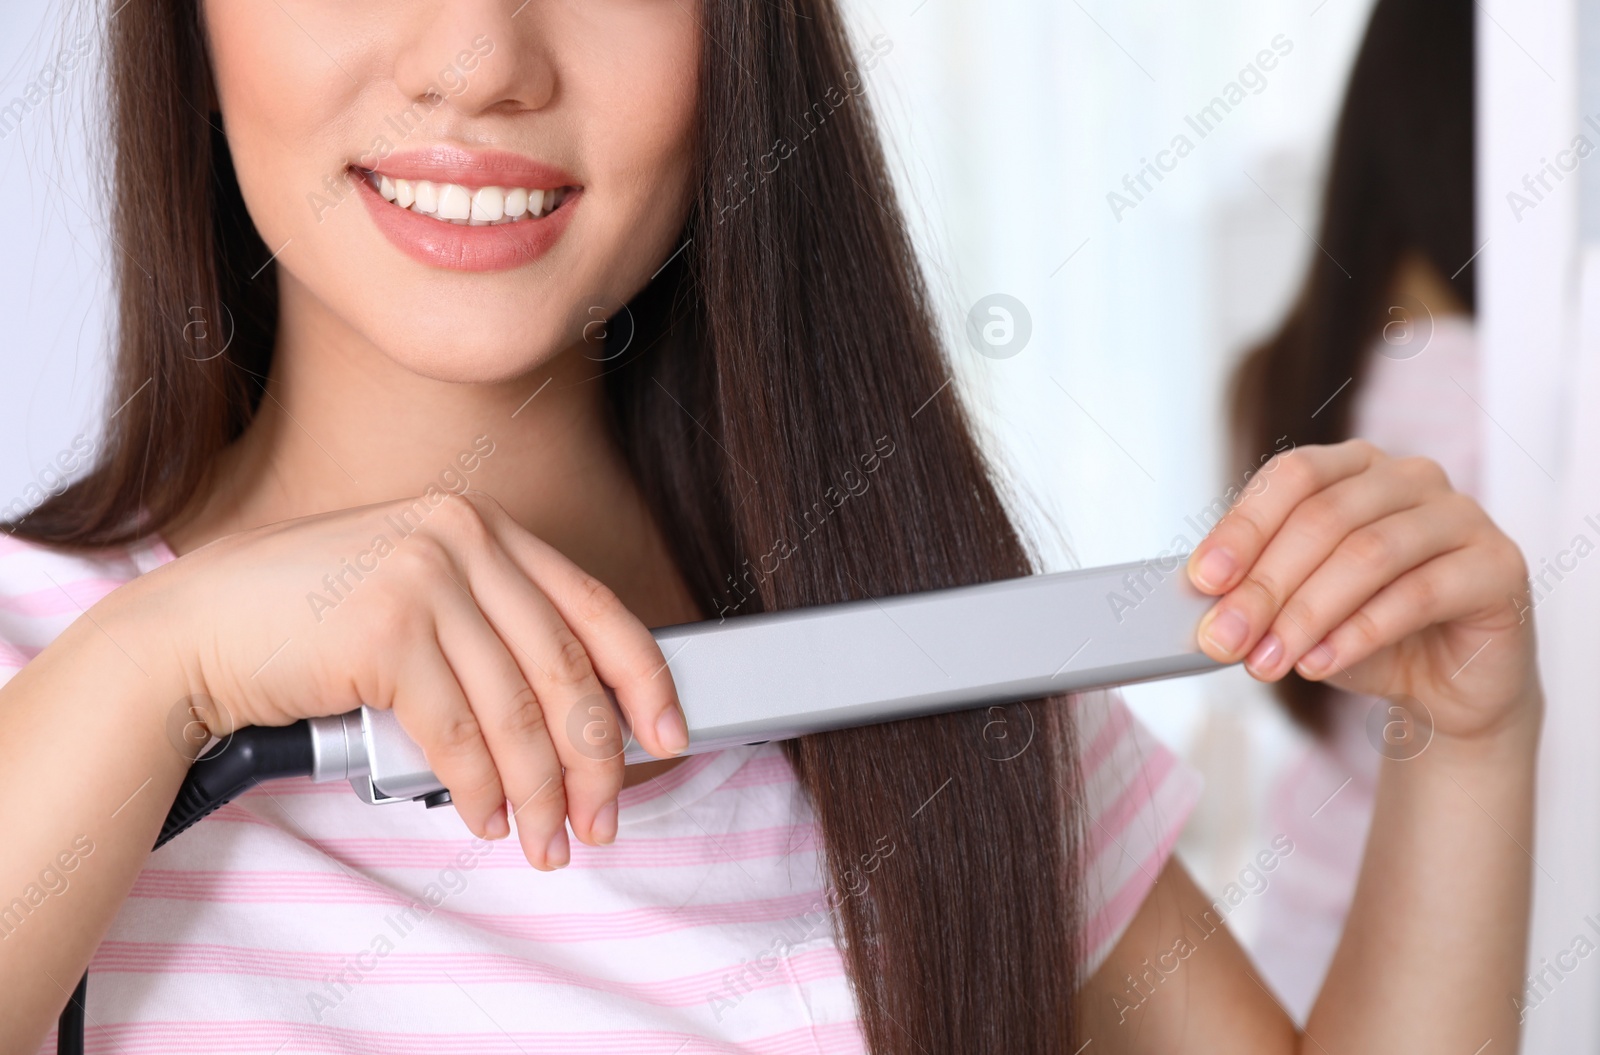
{"points": [[499, 69]]}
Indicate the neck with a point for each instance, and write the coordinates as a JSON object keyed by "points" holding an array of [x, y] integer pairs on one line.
{"points": [[342, 425]]}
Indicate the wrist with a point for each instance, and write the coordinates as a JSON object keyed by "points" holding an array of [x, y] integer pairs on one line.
{"points": [[140, 629], [1511, 738]]}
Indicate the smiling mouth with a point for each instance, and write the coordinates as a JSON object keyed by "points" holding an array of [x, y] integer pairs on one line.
{"points": [[463, 206]]}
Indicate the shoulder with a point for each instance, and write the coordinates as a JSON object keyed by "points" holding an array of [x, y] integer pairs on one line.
{"points": [[1136, 797], [1127, 773], [44, 588]]}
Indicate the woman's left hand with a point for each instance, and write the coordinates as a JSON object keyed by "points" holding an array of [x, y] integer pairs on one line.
{"points": [[1370, 573]]}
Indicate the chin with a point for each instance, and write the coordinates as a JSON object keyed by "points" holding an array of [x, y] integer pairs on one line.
{"points": [[471, 351]]}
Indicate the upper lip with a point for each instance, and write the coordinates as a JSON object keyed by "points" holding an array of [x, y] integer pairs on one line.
{"points": [[473, 168]]}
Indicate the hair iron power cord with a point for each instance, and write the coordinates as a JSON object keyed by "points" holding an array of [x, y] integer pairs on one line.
{"points": [[228, 769]]}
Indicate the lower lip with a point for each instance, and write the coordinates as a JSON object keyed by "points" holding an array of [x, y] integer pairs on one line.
{"points": [[458, 247]]}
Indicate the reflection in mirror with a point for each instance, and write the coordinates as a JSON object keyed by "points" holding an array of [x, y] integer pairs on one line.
{"points": [[1143, 187]]}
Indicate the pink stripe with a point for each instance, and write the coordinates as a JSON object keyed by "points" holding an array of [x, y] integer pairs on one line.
{"points": [[761, 772], [297, 786], [666, 783], [413, 968], [16, 656], [1122, 906], [1117, 725], [68, 597], [678, 852], [301, 888], [1110, 823], [190, 1037], [675, 852], [236, 814]]}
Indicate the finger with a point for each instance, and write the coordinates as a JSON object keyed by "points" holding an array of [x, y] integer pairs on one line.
{"points": [[515, 728], [1366, 562], [1222, 558], [433, 710], [1446, 588], [1322, 522], [1239, 624], [621, 648], [566, 713]]}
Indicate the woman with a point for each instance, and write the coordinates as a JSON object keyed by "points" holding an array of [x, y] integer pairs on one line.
{"points": [[410, 474], [1380, 344]]}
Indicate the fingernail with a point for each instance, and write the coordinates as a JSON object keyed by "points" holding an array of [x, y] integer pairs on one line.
{"points": [[497, 828], [1316, 663], [1266, 654], [559, 852], [1228, 631], [671, 731], [605, 822], [1215, 569]]}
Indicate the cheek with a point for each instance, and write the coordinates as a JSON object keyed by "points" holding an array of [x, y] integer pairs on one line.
{"points": [[643, 123], [285, 105], [665, 137]]}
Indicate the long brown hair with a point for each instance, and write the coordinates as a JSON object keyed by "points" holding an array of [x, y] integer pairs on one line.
{"points": [[1401, 179], [789, 342]]}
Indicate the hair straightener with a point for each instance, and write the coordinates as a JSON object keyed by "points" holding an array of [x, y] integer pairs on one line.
{"points": [[780, 675]]}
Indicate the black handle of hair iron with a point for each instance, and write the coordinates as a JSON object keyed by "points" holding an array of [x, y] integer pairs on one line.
{"points": [[780, 675]]}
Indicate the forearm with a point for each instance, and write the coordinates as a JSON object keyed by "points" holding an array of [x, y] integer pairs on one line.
{"points": [[1435, 942], [87, 772]]}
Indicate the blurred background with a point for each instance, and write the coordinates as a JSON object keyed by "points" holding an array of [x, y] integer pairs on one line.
{"points": [[1024, 136], [1023, 132]]}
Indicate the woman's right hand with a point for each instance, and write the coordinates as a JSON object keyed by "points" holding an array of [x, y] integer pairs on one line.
{"points": [[488, 644]]}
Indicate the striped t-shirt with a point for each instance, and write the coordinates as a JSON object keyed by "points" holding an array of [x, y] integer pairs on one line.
{"points": [[298, 919]]}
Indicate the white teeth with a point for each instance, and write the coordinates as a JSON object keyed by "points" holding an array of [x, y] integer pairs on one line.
{"points": [[455, 203], [468, 206], [488, 204]]}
